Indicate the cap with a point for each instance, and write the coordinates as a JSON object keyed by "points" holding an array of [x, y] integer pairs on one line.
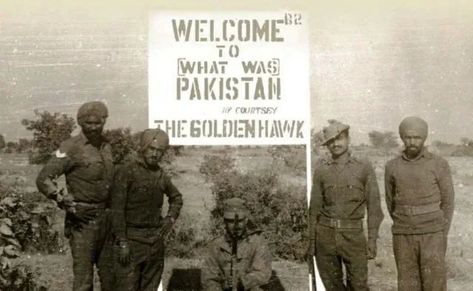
{"points": [[333, 130], [234, 206]]}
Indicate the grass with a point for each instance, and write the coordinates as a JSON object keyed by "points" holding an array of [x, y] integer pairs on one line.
{"points": [[56, 268]]}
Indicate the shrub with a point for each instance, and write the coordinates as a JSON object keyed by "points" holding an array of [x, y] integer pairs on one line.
{"points": [[182, 242], [294, 158], [276, 210], [19, 277], [27, 224]]}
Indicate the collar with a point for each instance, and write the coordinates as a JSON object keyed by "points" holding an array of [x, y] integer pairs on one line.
{"points": [[342, 160], [423, 154], [84, 140]]}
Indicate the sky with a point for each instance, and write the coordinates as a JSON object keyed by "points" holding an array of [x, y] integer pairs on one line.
{"points": [[372, 63]]}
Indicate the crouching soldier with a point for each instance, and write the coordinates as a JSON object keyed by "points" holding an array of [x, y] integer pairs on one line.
{"points": [[238, 260], [86, 161], [137, 225]]}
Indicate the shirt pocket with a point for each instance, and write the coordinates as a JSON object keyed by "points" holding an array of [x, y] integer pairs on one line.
{"points": [[354, 191], [330, 193]]}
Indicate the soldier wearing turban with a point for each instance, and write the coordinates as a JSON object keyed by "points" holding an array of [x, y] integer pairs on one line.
{"points": [[419, 198], [86, 161], [138, 227]]}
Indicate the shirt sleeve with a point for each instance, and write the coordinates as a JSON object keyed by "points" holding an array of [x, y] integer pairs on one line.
{"points": [[446, 193], [315, 202], [57, 165], [174, 198], [212, 276], [389, 188], [260, 272], [119, 194], [375, 213]]}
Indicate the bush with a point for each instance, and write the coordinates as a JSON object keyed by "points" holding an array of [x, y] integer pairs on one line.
{"points": [[292, 157], [19, 277], [182, 242], [27, 224], [280, 212]]}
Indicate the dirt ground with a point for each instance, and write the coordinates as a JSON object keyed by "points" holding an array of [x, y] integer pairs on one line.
{"points": [[56, 268]]}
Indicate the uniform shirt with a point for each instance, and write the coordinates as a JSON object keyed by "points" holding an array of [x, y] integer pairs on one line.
{"points": [[343, 189], [253, 263], [424, 185], [88, 170], [137, 196]]}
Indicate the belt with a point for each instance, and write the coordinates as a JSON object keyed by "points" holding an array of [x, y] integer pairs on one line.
{"points": [[340, 223], [99, 205], [416, 209]]}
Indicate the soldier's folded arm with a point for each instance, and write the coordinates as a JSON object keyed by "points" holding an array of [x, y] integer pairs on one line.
{"points": [[447, 194], [375, 213], [260, 272]]}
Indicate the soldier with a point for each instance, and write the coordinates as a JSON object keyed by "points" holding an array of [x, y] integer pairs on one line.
{"points": [[86, 161], [419, 198], [343, 187], [138, 227], [237, 260]]}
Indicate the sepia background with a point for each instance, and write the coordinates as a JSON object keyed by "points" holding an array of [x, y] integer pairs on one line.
{"points": [[372, 63]]}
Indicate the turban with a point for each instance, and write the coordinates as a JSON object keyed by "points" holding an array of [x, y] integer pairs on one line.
{"points": [[415, 124], [154, 136], [95, 108]]}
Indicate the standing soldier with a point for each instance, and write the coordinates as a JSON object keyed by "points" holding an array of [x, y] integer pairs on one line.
{"points": [[419, 197], [139, 230], [343, 187], [86, 161], [237, 260]]}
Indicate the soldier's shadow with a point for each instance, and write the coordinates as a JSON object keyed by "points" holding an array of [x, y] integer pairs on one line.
{"points": [[189, 280]]}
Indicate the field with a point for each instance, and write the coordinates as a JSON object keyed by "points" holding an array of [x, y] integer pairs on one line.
{"points": [[56, 268]]}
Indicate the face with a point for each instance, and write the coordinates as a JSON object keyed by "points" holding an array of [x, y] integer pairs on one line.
{"points": [[413, 142], [92, 126], [153, 155], [339, 145], [236, 228]]}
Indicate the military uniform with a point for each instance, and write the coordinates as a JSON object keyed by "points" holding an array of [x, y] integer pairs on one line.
{"points": [[237, 260], [253, 263], [419, 198], [137, 200], [341, 190], [89, 171]]}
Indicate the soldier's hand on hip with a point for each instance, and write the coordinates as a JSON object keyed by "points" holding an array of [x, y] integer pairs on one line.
{"points": [[123, 253], [166, 226], [84, 216], [371, 252]]}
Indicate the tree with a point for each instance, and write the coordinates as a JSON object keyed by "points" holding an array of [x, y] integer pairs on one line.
{"points": [[384, 140], [49, 130]]}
